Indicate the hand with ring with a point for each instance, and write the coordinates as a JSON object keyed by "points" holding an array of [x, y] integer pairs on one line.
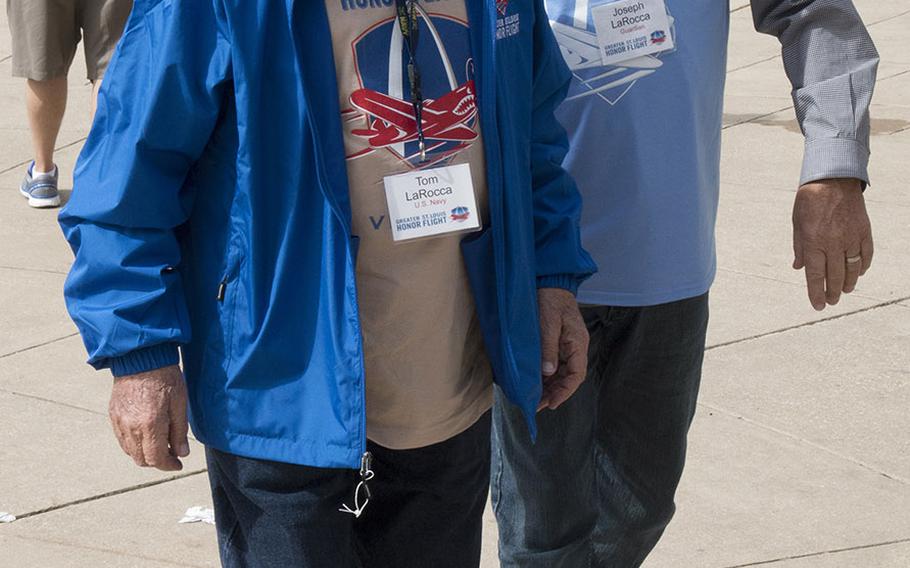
{"points": [[832, 238]]}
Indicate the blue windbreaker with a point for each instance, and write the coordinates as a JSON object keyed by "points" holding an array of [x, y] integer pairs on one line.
{"points": [[211, 212]]}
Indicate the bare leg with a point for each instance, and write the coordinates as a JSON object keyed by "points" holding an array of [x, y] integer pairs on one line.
{"points": [[46, 101]]}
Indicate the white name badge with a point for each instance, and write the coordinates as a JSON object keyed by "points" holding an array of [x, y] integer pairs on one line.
{"points": [[433, 202], [632, 28]]}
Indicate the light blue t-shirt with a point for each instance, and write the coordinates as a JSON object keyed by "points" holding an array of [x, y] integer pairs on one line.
{"points": [[645, 151]]}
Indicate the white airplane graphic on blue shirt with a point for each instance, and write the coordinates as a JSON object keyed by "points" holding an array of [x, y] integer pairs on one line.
{"points": [[582, 54]]}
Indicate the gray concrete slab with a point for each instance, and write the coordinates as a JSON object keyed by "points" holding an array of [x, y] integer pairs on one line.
{"points": [[134, 529], [36, 298], [892, 89], [57, 372], [875, 12], [890, 36], [490, 555], [885, 556], [745, 306], [27, 551], [740, 109], [750, 495], [815, 385], [748, 47], [54, 454], [764, 79], [762, 155]]}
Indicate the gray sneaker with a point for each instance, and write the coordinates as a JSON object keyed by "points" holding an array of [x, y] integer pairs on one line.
{"points": [[41, 191]]}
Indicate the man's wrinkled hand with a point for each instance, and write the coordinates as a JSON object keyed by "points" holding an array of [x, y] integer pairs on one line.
{"points": [[832, 238], [148, 413], [564, 344]]}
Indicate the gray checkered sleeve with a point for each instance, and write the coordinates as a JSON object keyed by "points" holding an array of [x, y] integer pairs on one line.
{"points": [[831, 62]]}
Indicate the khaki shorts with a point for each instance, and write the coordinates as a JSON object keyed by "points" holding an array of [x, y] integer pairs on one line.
{"points": [[46, 33]]}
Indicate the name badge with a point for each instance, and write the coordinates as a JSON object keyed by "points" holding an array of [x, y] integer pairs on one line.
{"points": [[428, 203], [632, 28]]}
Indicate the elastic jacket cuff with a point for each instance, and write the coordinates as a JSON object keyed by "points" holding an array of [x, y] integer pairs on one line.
{"points": [[564, 281], [828, 158], [143, 360]]}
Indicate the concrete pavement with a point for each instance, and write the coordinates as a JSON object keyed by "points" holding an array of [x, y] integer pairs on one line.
{"points": [[800, 454]]}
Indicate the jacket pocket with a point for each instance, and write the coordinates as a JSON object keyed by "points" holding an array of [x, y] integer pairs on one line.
{"points": [[228, 290]]}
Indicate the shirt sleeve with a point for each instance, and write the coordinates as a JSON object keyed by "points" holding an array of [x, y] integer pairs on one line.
{"points": [[562, 262], [157, 108], [831, 63]]}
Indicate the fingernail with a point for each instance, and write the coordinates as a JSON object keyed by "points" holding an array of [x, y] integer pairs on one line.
{"points": [[549, 368]]}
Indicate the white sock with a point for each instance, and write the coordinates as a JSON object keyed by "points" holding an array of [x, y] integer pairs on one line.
{"points": [[36, 173]]}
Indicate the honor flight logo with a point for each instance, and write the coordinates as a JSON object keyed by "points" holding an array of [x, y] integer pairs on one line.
{"points": [[381, 110], [577, 37]]}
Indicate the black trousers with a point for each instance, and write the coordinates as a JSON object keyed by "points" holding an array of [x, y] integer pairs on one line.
{"points": [[426, 509]]}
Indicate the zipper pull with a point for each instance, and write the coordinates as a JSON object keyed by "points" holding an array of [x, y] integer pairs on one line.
{"points": [[363, 490], [222, 290]]}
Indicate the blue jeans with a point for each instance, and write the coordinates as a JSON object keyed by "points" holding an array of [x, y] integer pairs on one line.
{"points": [[598, 487], [426, 508]]}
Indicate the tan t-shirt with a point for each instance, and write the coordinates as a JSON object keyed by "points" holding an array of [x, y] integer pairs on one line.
{"points": [[427, 376]]}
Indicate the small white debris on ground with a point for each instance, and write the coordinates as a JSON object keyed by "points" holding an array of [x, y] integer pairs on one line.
{"points": [[6, 517], [198, 515]]}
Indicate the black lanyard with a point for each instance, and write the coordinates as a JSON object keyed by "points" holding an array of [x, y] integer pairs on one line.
{"points": [[407, 21]]}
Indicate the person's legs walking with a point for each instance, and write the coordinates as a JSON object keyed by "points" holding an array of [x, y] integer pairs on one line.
{"points": [[647, 402], [46, 103], [427, 504], [544, 491], [45, 35], [275, 514], [597, 488]]}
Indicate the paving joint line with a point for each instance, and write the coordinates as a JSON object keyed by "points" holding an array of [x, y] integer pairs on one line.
{"points": [[758, 117], [114, 493], [39, 270], [893, 76], [50, 401], [822, 553], [807, 324], [26, 162], [794, 284], [38, 346], [817, 446], [753, 64], [888, 19]]}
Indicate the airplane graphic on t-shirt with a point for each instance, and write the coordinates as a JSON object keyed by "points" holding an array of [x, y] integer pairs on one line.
{"points": [[578, 43], [392, 121], [383, 103]]}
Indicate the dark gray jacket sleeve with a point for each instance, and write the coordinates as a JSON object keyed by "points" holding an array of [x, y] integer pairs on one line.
{"points": [[831, 62]]}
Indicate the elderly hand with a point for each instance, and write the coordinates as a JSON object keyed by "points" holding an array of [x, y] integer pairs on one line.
{"points": [[148, 413], [832, 238], [564, 343]]}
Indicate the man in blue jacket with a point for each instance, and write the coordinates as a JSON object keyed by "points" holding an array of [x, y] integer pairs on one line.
{"points": [[349, 217], [644, 116]]}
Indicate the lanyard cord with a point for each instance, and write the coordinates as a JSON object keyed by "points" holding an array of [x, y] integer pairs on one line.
{"points": [[410, 30]]}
